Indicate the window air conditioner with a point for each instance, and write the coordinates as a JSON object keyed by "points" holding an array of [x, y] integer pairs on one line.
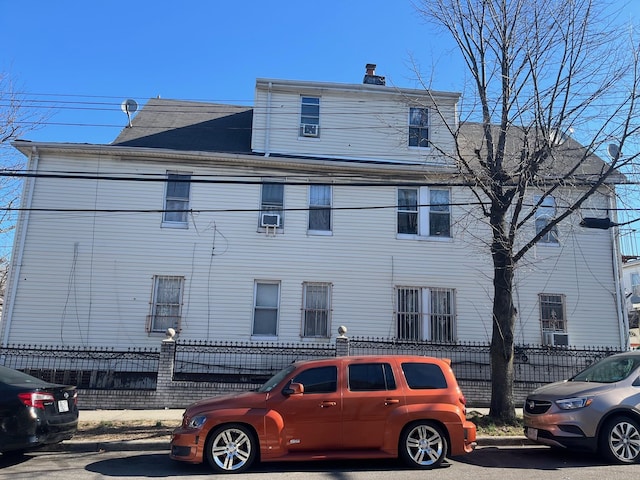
{"points": [[270, 220], [309, 130], [556, 339]]}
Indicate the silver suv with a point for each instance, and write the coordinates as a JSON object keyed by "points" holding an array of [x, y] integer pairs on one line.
{"points": [[596, 410]]}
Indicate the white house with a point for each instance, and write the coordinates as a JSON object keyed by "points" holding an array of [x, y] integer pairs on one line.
{"points": [[323, 205]]}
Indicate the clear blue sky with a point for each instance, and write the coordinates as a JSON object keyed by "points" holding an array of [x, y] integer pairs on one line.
{"points": [[201, 50], [85, 57]]}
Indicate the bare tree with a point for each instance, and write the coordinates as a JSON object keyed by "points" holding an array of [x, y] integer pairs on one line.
{"points": [[537, 70], [17, 116]]}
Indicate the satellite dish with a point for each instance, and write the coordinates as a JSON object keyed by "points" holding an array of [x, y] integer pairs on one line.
{"points": [[129, 106], [614, 151]]}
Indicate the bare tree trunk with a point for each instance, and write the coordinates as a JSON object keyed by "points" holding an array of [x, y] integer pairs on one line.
{"points": [[504, 312]]}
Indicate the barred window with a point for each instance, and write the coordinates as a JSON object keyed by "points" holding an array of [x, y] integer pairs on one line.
{"points": [[552, 313], [316, 309], [166, 304], [426, 314]]}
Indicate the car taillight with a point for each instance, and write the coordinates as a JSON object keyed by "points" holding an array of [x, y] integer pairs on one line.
{"points": [[35, 399]]}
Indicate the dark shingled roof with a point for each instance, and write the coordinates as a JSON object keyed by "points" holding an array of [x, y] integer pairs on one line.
{"points": [[189, 126]]}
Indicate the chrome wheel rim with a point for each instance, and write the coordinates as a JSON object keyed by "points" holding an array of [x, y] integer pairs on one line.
{"points": [[424, 445], [624, 441], [231, 449]]}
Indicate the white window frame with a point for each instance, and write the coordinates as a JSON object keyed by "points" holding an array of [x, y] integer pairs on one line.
{"points": [[419, 121], [271, 307], [310, 313], [424, 212], [159, 307], [317, 208], [271, 207], [174, 202], [546, 212], [309, 114], [421, 318]]}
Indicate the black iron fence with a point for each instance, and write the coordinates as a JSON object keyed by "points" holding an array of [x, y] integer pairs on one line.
{"points": [[245, 362], [472, 361], [254, 362], [86, 367]]}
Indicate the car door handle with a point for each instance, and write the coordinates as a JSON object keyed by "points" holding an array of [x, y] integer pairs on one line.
{"points": [[391, 401], [327, 404]]}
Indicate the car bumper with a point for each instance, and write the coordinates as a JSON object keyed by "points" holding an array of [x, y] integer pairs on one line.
{"points": [[187, 445], [554, 436], [36, 434]]}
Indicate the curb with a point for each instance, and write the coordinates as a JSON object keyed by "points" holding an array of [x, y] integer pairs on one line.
{"points": [[154, 445]]}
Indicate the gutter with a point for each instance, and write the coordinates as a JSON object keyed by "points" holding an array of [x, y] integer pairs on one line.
{"points": [[19, 240]]}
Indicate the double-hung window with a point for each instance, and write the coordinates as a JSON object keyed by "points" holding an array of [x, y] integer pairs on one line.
{"points": [[316, 311], [310, 117], [266, 306], [320, 208], [166, 303], [426, 314], [424, 211], [272, 205], [419, 127], [176, 200], [544, 214]]}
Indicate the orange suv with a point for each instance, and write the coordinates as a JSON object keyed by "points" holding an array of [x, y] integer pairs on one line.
{"points": [[355, 407]]}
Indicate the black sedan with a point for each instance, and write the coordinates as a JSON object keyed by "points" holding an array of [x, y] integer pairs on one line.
{"points": [[34, 412]]}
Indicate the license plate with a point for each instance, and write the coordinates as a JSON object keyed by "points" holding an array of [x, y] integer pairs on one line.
{"points": [[532, 433], [63, 406]]}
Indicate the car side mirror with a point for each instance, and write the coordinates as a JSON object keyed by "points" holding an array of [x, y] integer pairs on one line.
{"points": [[294, 389]]}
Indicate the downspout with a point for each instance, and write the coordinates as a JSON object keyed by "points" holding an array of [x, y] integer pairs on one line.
{"points": [[623, 319], [18, 245], [267, 133]]}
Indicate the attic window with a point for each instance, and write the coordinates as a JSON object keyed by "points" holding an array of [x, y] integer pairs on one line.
{"points": [[419, 127], [310, 117]]}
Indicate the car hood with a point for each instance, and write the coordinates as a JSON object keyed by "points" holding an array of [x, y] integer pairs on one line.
{"points": [[568, 389], [232, 400]]}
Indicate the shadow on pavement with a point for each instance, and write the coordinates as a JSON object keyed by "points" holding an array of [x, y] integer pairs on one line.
{"points": [[536, 458], [160, 465]]}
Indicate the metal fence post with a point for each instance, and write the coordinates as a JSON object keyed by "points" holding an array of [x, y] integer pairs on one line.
{"points": [[342, 342]]}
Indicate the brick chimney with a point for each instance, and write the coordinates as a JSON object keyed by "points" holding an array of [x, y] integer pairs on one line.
{"points": [[370, 76]]}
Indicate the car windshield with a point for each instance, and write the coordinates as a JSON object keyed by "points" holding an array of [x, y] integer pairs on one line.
{"points": [[276, 379], [609, 370]]}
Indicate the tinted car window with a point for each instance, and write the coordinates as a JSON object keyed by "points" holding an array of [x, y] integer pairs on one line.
{"points": [[371, 376], [318, 380], [424, 376]]}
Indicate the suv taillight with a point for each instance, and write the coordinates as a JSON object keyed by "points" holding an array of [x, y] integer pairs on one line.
{"points": [[35, 399]]}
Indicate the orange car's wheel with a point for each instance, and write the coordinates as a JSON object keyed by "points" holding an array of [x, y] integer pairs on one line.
{"points": [[423, 445], [231, 448]]}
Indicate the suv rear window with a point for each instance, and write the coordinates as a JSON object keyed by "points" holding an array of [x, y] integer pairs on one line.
{"points": [[365, 377], [424, 376]]}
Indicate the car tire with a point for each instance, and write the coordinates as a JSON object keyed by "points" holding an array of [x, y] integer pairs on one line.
{"points": [[423, 445], [231, 448], [620, 440]]}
